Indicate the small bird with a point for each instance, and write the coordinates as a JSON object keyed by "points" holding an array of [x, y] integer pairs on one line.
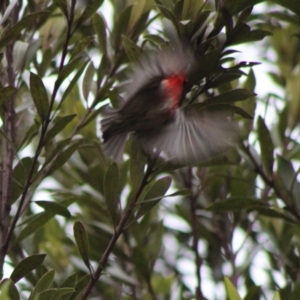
{"points": [[152, 113]]}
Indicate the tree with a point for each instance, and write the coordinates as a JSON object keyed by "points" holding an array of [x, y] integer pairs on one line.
{"points": [[74, 225]]}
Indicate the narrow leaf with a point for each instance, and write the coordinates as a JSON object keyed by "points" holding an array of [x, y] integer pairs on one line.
{"points": [[111, 190], [82, 242], [39, 96], [232, 96], [43, 284], [266, 145], [27, 265], [54, 208], [231, 290], [58, 125]]}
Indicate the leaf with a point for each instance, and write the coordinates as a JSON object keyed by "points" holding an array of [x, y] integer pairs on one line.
{"points": [[137, 165], [111, 190], [8, 290], [6, 93], [35, 224], [26, 265], [141, 263], [64, 156], [121, 26], [157, 191], [88, 80], [39, 96], [54, 208], [14, 31], [100, 29], [62, 4], [80, 286], [236, 204], [266, 146], [43, 284], [132, 50], [231, 291], [292, 5], [91, 7], [61, 292], [82, 243], [277, 296], [232, 96], [68, 69], [58, 125]]}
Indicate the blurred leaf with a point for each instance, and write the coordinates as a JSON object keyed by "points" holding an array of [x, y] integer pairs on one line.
{"points": [[54, 208], [62, 4], [276, 296], [13, 32], [64, 156], [8, 290], [35, 224], [234, 6], [111, 191], [80, 286], [91, 7], [26, 265], [141, 263], [43, 284], [231, 290], [132, 50], [157, 191], [39, 96], [82, 243], [58, 125], [100, 29], [266, 146], [121, 26], [88, 80], [236, 204], [231, 96], [293, 5]]}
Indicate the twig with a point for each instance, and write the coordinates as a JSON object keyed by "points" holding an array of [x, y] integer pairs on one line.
{"points": [[43, 134], [118, 232], [195, 241]]}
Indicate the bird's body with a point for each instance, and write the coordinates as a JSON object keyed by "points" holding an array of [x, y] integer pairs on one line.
{"points": [[152, 113]]}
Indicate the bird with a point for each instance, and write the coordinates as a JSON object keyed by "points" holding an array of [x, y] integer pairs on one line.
{"points": [[153, 113]]}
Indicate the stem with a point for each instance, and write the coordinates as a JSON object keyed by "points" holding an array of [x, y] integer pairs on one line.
{"points": [[45, 126], [119, 230], [195, 237]]}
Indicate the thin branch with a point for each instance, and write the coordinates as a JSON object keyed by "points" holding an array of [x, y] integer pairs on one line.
{"points": [[195, 236], [119, 230], [43, 133]]}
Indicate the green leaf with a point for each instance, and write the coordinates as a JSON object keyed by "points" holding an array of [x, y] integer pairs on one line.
{"points": [[91, 7], [62, 4], [80, 286], [8, 290], [26, 265], [61, 292], [137, 165], [236, 204], [266, 145], [68, 69], [231, 291], [111, 191], [64, 156], [6, 93], [43, 284], [39, 96], [58, 125], [82, 243], [232, 96], [121, 26], [292, 5], [141, 263], [100, 29], [88, 80], [35, 224], [14, 31], [157, 191], [54, 208], [132, 50], [277, 296]]}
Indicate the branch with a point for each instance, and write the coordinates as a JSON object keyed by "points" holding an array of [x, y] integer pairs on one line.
{"points": [[119, 230]]}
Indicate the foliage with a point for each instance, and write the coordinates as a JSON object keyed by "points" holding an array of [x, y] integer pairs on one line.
{"points": [[74, 225]]}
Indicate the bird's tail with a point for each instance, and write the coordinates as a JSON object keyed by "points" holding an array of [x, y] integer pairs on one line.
{"points": [[113, 143]]}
